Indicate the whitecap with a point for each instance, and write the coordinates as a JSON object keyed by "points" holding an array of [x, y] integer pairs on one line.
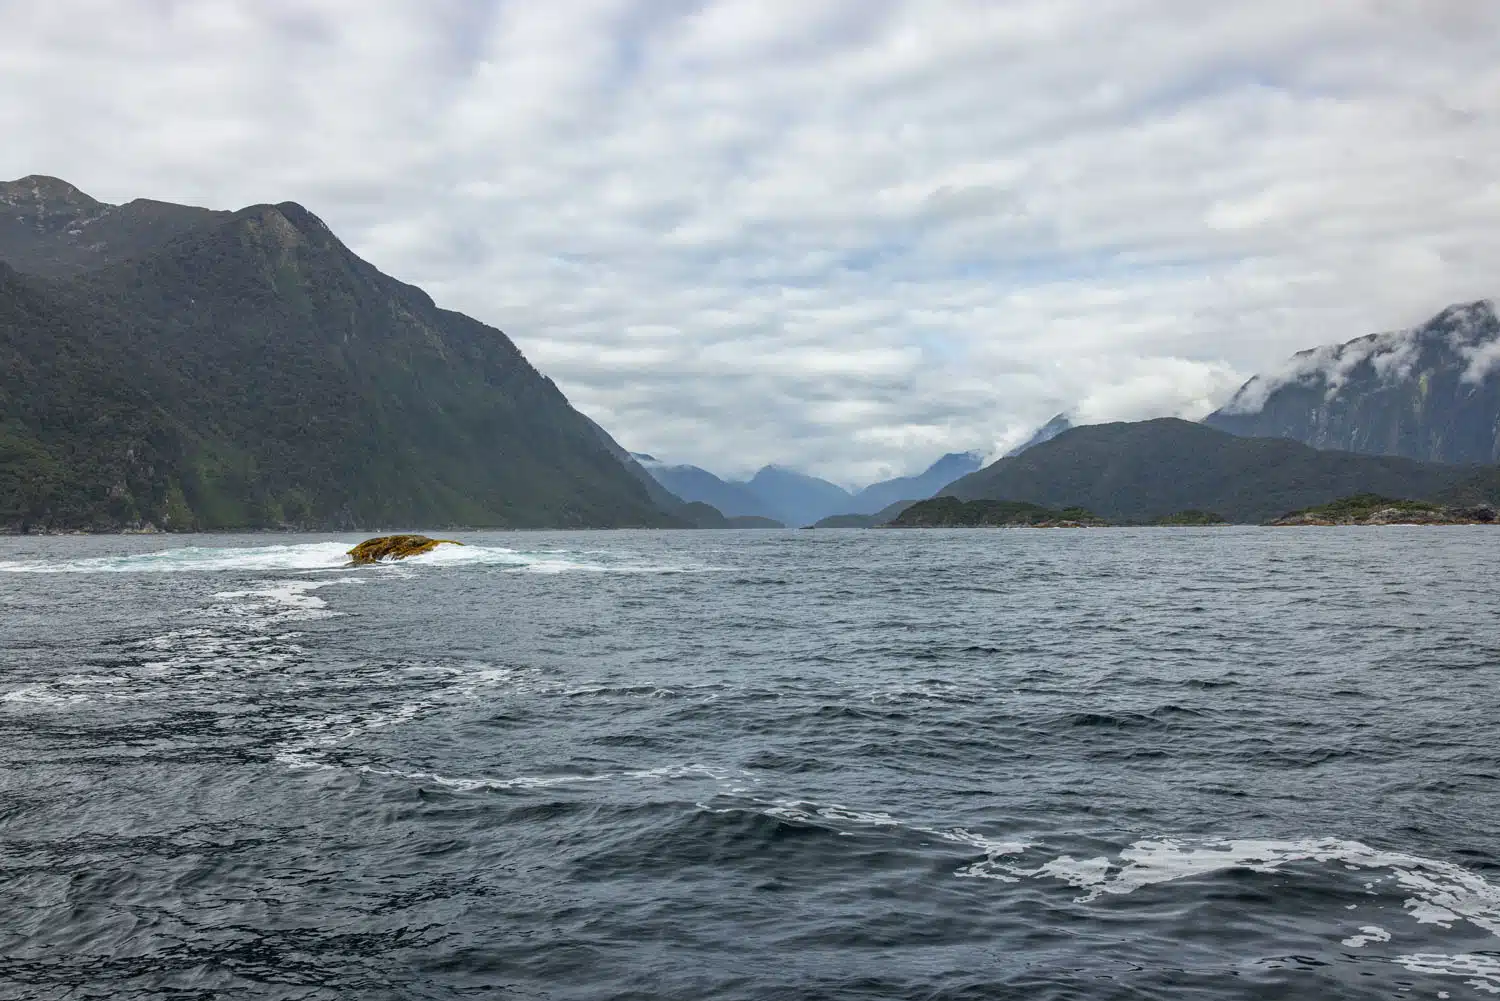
{"points": [[662, 773], [1442, 892], [1367, 934], [1483, 970], [41, 695]]}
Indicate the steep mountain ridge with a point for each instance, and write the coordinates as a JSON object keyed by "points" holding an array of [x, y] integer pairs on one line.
{"points": [[252, 371], [48, 227], [1431, 392], [1054, 427]]}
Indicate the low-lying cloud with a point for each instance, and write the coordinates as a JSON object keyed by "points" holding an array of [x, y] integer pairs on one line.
{"points": [[845, 236]]}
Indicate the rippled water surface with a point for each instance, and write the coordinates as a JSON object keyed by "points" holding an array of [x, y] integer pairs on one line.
{"points": [[1225, 763]]}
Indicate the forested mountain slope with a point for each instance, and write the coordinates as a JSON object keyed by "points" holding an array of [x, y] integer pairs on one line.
{"points": [[252, 371], [1143, 471]]}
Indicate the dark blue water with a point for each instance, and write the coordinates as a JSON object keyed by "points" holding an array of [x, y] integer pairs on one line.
{"points": [[1232, 763]]}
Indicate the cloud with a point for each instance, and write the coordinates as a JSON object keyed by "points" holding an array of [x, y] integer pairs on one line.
{"points": [[845, 236]]}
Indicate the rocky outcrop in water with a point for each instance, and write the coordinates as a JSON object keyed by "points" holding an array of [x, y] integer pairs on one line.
{"points": [[394, 547], [1370, 509]]}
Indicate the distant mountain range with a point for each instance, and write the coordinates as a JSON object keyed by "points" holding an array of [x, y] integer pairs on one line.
{"points": [[1431, 392], [878, 496], [692, 483], [190, 369], [797, 499]]}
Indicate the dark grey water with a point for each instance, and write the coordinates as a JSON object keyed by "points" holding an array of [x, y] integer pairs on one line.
{"points": [[1236, 763]]}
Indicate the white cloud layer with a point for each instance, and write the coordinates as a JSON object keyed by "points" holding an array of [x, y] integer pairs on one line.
{"points": [[844, 236]]}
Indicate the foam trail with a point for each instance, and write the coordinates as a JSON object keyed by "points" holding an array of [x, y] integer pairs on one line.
{"points": [[315, 556], [308, 556], [660, 774]]}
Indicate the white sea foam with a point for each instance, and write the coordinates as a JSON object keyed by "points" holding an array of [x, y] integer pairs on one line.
{"points": [[239, 631], [329, 556], [318, 734], [1483, 970], [664, 773], [41, 695], [1441, 892], [308, 556], [1367, 934]]}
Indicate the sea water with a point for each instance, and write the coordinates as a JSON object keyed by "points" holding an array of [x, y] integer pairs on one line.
{"points": [[1156, 763]]}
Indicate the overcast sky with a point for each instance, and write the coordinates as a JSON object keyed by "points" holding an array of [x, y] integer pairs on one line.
{"points": [[844, 236]]}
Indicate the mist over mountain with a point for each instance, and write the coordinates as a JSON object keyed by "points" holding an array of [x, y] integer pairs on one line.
{"points": [[1142, 472], [247, 370], [1431, 392], [1056, 426]]}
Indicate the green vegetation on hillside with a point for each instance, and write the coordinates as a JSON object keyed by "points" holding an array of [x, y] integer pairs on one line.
{"points": [[884, 516], [1191, 517], [255, 373], [847, 521], [950, 512], [1132, 473]]}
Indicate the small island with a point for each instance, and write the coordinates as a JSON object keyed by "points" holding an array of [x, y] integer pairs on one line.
{"points": [[1372, 509], [950, 512]]}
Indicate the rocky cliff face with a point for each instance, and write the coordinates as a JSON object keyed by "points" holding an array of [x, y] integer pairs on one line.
{"points": [[1430, 393]]}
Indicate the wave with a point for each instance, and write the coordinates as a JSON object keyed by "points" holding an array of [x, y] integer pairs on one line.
{"points": [[1431, 891], [664, 773], [326, 556]]}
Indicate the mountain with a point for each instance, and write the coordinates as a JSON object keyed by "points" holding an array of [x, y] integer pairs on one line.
{"points": [[795, 498], [1056, 426], [251, 371], [691, 483], [880, 495], [1140, 472], [50, 228], [884, 516], [1431, 392]]}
